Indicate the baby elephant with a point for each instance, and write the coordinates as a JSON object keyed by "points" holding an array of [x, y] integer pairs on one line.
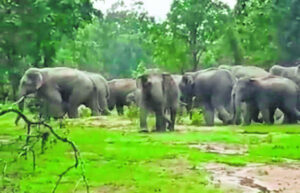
{"points": [[266, 94], [159, 94], [119, 89]]}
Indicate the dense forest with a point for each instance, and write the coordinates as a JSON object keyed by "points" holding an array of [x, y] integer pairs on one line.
{"points": [[195, 35]]}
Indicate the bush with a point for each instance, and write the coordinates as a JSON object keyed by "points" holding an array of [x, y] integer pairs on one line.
{"points": [[84, 111], [132, 112], [197, 118]]}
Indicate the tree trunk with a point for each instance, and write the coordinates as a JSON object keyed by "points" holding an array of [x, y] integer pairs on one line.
{"points": [[193, 46]]}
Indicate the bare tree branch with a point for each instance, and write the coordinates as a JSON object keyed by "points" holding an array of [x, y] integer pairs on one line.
{"points": [[63, 139]]}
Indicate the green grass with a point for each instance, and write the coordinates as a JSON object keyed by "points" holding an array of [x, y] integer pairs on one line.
{"points": [[127, 161]]}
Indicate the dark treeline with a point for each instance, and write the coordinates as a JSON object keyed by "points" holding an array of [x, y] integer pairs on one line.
{"points": [[196, 34]]}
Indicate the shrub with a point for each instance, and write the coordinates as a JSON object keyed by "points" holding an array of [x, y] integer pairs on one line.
{"points": [[132, 112], [197, 118]]}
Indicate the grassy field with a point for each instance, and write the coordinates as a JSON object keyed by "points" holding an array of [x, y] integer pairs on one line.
{"points": [[117, 158]]}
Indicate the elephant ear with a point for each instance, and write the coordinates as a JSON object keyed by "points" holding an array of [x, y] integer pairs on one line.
{"points": [[141, 80], [36, 78], [188, 80], [167, 81]]}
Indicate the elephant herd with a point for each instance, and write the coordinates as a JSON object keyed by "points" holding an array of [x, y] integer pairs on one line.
{"points": [[234, 94]]}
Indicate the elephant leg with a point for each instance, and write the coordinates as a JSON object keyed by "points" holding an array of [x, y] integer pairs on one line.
{"points": [[266, 115], [120, 109], [251, 114], [77, 98], [103, 105], [224, 115], [286, 119], [73, 111], [209, 114], [143, 119], [190, 113], [173, 118], [160, 121], [290, 116], [55, 105], [272, 112], [219, 105], [248, 115], [255, 114], [93, 105]]}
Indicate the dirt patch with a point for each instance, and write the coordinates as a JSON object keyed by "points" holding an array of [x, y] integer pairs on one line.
{"points": [[221, 148], [117, 123], [176, 167], [189, 128], [109, 188], [124, 124], [257, 178]]}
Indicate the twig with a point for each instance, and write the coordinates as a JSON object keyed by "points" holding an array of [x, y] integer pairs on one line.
{"points": [[84, 176], [63, 139], [33, 158], [77, 184], [60, 177]]}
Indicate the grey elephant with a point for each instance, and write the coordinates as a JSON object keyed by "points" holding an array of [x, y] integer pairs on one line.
{"points": [[292, 73], [62, 89], [267, 94], [245, 71], [135, 97], [251, 72], [159, 94], [212, 89], [119, 89], [103, 92]]}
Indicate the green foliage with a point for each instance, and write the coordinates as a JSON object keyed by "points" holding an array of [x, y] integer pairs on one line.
{"points": [[84, 111], [140, 70], [197, 118], [32, 29], [132, 112], [196, 34], [199, 24], [289, 35]]}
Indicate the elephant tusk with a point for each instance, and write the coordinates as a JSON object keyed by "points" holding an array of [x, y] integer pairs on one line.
{"points": [[20, 100], [183, 104]]}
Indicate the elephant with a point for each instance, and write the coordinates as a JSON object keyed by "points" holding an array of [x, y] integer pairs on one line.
{"points": [[245, 71], [266, 94], [212, 90], [119, 89], [251, 72], [292, 73], [103, 92], [177, 78], [134, 97], [159, 94], [62, 89]]}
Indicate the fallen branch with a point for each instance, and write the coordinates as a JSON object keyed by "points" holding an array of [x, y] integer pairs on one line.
{"points": [[30, 123]]}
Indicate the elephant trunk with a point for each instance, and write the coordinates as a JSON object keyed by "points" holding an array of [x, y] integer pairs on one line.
{"points": [[236, 109]]}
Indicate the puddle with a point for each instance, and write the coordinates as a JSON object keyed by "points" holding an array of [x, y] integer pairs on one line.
{"points": [[227, 149], [257, 178]]}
